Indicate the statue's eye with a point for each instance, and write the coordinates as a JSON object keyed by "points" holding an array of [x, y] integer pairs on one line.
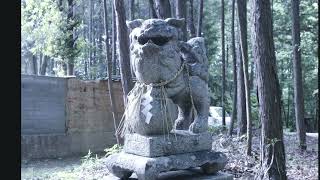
{"points": [[135, 37], [158, 40]]}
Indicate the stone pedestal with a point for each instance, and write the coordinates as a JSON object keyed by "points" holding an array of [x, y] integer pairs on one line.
{"points": [[177, 142], [148, 156]]}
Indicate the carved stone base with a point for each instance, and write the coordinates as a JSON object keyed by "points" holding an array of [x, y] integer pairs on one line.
{"points": [[122, 164]]}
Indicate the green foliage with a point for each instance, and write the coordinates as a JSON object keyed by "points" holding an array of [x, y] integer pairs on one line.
{"points": [[212, 35], [114, 149], [46, 29], [282, 37], [40, 25], [89, 158]]}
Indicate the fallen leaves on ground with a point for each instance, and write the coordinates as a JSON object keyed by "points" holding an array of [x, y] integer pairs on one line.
{"points": [[300, 165]]}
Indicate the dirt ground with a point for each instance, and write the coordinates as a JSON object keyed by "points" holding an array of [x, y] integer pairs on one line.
{"points": [[46, 168], [299, 165]]}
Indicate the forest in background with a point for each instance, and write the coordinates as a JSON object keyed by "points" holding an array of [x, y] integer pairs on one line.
{"points": [[61, 38]]}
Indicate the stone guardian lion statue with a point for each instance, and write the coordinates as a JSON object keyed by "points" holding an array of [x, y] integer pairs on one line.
{"points": [[166, 68]]}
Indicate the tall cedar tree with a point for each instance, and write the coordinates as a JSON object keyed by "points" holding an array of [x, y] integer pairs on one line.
{"points": [[132, 10], [190, 20], [297, 76], [181, 12], [123, 40], [234, 60], [109, 68], [163, 9], [268, 91], [223, 66], [242, 14], [200, 18], [153, 10], [114, 40], [241, 102]]}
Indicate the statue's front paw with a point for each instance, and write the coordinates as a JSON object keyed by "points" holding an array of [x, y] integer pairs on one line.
{"points": [[197, 127], [178, 124]]}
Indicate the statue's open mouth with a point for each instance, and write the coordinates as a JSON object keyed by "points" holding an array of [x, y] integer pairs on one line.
{"points": [[158, 40]]}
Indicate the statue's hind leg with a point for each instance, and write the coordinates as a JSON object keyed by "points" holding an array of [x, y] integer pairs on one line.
{"points": [[183, 121], [199, 89]]}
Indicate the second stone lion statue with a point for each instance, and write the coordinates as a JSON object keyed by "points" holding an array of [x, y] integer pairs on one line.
{"points": [[166, 67]]}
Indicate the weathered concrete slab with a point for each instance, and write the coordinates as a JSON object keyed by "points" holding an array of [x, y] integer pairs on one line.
{"points": [[43, 105], [123, 164], [179, 142]]}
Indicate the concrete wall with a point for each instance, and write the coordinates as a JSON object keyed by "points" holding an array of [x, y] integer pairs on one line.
{"points": [[66, 116], [43, 104]]}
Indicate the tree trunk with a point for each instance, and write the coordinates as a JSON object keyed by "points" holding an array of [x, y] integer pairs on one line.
{"points": [[241, 102], [70, 67], [163, 9], [39, 63], [200, 18], [122, 34], [90, 38], [234, 60], [317, 114], [44, 65], [223, 65], [268, 90], [153, 10], [65, 69], [101, 29], [173, 8], [86, 37], [109, 69], [132, 10], [94, 53], [114, 40], [51, 67], [288, 107], [70, 41], [34, 65], [181, 12], [191, 21], [242, 14], [297, 76]]}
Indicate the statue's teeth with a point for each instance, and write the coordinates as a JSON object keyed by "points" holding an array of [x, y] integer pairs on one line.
{"points": [[150, 41]]}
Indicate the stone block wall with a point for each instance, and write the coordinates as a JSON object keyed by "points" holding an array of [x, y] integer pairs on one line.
{"points": [[88, 105]]}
